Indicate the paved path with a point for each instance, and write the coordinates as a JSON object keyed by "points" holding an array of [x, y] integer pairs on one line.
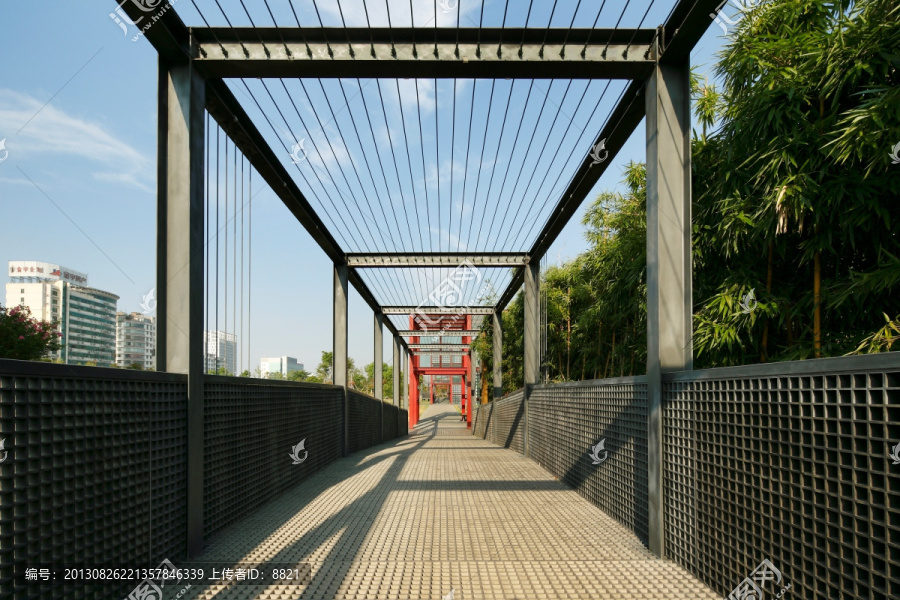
{"points": [[440, 511]]}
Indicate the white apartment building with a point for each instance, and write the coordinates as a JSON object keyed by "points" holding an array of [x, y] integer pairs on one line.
{"points": [[136, 340], [280, 364], [221, 351], [87, 316]]}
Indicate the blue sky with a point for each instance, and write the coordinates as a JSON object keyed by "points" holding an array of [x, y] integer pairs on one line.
{"points": [[78, 111]]}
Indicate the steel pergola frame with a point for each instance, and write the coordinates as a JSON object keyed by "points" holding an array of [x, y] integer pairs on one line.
{"points": [[194, 63]]}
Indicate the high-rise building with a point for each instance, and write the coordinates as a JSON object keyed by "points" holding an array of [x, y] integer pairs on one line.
{"points": [[280, 364], [87, 316], [135, 340], [221, 351]]}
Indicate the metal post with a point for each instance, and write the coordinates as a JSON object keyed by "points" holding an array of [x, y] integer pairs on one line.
{"points": [[498, 355], [339, 348], [395, 397], [669, 295], [532, 367], [404, 390], [179, 266], [379, 356]]}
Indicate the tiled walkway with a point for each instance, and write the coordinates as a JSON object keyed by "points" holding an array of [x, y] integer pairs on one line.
{"points": [[441, 511]]}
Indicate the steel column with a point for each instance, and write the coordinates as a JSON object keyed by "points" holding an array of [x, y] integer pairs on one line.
{"points": [[669, 296], [379, 356], [339, 347], [532, 341], [498, 354], [179, 277], [395, 397]]}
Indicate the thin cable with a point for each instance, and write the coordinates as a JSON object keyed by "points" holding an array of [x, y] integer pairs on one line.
{"points": [[525, 29], [487, 124], [547, 30], [562, 50], [227, 20], [591, 32], [300, 28], [466, 163], [543, 207], [242, 263], [496, 156], [234, 266], [616, 28], [322, 28], [215, 37], [318, 152], [344, 24], [625, 54], [302, 174], [424, 168], [412, 181], [278, 31], [437, 158], [452, 164], [206, 246], [218, 189], [225, 294], [355, 169]]}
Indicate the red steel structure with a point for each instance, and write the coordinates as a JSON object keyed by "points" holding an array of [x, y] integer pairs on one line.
{"points": [[444, 325]]}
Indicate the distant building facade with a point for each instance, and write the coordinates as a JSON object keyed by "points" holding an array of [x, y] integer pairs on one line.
{"points": [[221, 351], [280, 364], [87, 316], [135, 340]]}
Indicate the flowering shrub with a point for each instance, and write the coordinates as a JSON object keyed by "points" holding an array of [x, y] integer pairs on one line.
{"points": [[25, 338]]}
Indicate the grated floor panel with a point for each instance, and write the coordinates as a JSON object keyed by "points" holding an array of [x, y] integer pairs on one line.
{"points": [[435, 512]]}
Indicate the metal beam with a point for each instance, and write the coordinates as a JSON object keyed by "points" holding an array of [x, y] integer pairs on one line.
{"points": [[180, 202], [439, 333], [439, 347], [437, 310], [454, 352], [669, 297], [446, 52], [340, 349], [390, 260]]}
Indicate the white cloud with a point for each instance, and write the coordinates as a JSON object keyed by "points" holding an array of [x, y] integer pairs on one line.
{"points": [[36, 130]]}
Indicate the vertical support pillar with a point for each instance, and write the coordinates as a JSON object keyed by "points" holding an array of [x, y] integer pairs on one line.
{"points": [[339, 346], [379, 356], [472, 388], [395, 396], [404, 398], [669, 295], [179, 265], [532, 341], [498, 355]]}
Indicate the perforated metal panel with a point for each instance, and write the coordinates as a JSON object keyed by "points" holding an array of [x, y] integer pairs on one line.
{"points": [[566, 421], [787, 462], [94, 475], [390, 421], [508, 421], [481, 426], [250, 429], [365, 421]]}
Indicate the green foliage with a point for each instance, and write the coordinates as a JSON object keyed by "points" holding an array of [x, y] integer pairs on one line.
{"points": [[792, 164], [22, 337]]}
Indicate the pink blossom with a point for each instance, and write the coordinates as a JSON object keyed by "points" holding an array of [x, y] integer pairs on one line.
{"points": [[21, 337]]}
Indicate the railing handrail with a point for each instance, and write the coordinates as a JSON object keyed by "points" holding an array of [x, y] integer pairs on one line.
{"points": [[624, 380], [813, 366], [48, 369]]}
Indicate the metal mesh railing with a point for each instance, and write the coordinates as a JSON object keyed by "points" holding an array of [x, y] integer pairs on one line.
{"points": [[481, 416], [365, 421], [251, 427], [94, 472], [787, 462], [567, 421], [391, 422], [508, 421]]}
